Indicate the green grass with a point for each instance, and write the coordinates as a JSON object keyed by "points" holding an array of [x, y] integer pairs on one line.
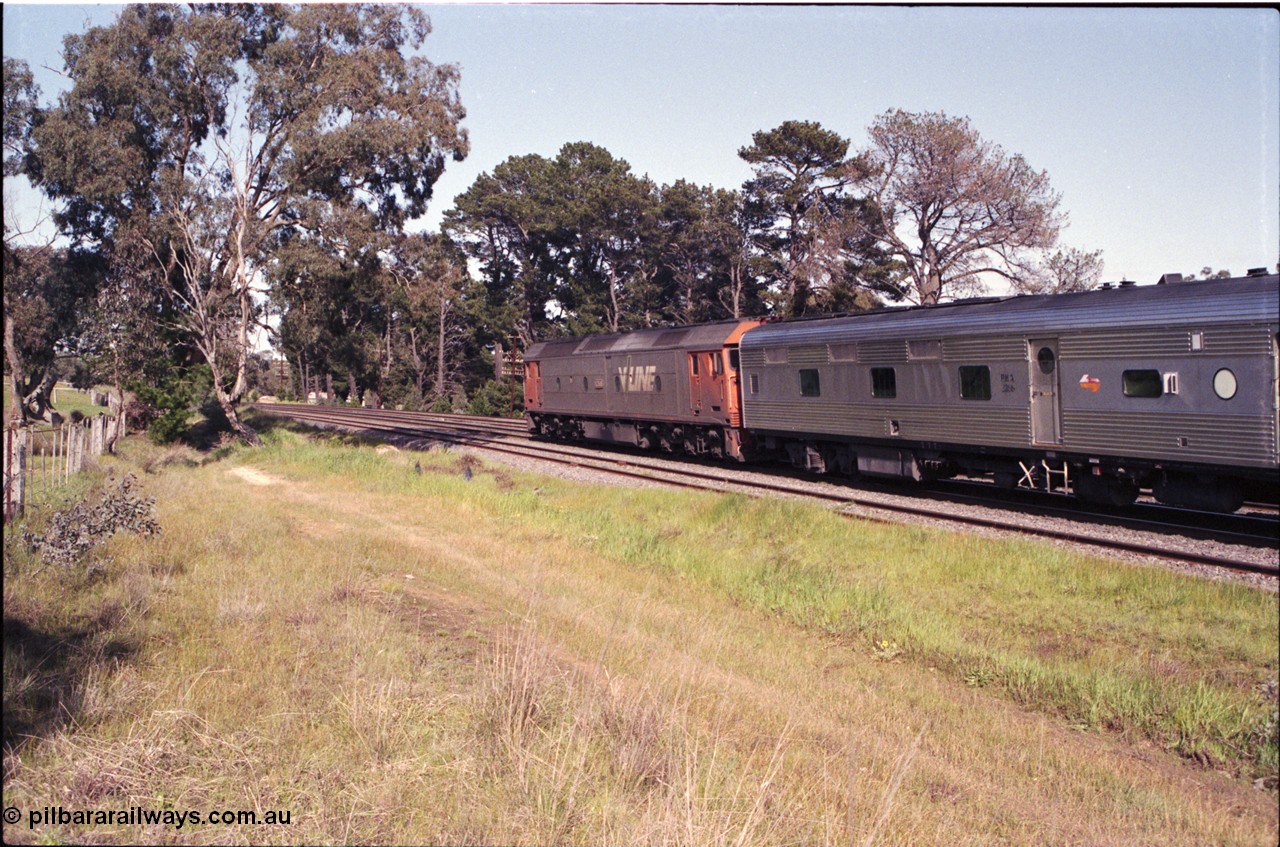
{"points": [[69, 400], [400, 654], [1137, 650]]}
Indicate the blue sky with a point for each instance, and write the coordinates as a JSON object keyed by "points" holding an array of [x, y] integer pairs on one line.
{"points": [[1160, 127]]}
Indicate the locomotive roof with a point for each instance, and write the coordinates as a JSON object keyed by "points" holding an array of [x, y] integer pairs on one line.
{"points": [[697, 337], [1202, 303]]}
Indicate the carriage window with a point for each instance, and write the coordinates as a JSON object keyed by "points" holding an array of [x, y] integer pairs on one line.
{"points": [[1143, 384], [557, 383], [1224, 384], [809, 384], [657, 383], [585, 385], [884, 382], [693, 362], [754, 379], [975, 382], [617, 383], [1046, 360]]}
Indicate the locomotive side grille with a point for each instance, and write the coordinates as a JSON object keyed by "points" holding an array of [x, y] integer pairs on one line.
{"points": [[882, 352], [1228, 439]]}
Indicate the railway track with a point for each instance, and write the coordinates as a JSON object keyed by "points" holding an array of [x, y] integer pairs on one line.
{"points": [[1050, 521]]}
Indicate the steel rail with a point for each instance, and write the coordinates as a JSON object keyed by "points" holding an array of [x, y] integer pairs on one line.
{"points": [[401, 427]]}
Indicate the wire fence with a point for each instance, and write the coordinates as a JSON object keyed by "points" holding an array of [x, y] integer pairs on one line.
{"points": [[40, 459]]}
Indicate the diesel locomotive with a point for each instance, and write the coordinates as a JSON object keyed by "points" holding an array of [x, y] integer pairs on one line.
{"points": [[1172, 388]]}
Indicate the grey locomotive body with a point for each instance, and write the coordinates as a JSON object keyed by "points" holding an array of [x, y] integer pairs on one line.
{"points": [[1172, 387], [670, 389]]}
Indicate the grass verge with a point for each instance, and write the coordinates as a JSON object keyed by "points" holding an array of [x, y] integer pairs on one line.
{"points": [[399, 652]]}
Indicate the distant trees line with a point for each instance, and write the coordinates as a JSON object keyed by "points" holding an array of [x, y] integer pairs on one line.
{"points": [[215, 170]]}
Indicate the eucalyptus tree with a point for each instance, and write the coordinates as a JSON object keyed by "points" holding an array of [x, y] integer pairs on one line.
{"points": [[952, 206], [46, 294], [203, 135], [431, 329]]}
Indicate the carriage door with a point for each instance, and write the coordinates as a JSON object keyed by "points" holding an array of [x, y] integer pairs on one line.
{"points": [[695, 384], [1046, 408], [532, 385]]}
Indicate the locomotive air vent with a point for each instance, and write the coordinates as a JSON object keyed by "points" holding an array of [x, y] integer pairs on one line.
{"points": [[1256, 272], [1127, 283], [1167, 278]]}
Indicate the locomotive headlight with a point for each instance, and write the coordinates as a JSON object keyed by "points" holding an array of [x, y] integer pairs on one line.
{"points": [[1224, 384]]}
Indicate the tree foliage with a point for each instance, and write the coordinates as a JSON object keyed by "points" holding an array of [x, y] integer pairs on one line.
{"points": [[579, 244], [46, 294], [952, 206], [203, 136], [217, 167], [805, 219], [1068, 270]]}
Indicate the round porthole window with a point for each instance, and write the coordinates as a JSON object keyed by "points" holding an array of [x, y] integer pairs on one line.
{"points": [[1046, 360], [1224, 384]]}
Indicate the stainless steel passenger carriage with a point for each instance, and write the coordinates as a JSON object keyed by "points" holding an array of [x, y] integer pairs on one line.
{"points": [[1171, 386]]}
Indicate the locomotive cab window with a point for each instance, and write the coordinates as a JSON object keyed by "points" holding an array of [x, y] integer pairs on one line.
{"points": [[809, 383], [1143, 384], [975, 382], [735, 359], [717, 364], [884, 382], [693, 363]]}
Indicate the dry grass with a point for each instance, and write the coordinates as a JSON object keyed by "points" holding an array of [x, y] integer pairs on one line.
{"points": [[399, 657]]}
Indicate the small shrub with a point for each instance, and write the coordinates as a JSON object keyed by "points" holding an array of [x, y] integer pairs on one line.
{"points": [[72, 535], [495, 399]]}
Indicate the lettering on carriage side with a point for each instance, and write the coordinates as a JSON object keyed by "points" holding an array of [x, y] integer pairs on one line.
{"points": [[637, 377], [1008, 383]]}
